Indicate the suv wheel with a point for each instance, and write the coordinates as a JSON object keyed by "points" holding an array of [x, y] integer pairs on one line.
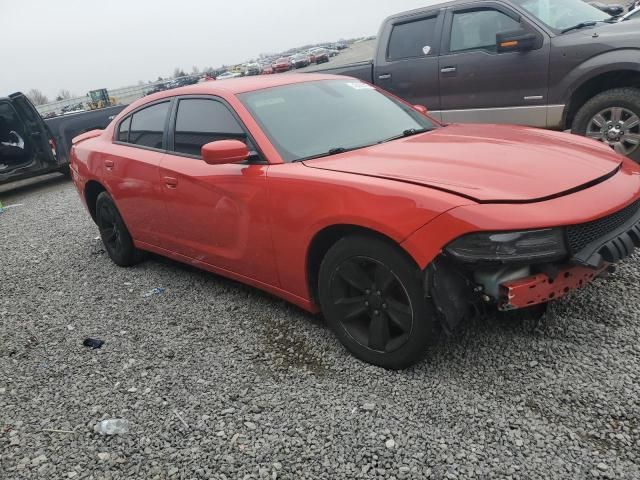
{"points": [[613, 117], [372, 296], [115, 236]]}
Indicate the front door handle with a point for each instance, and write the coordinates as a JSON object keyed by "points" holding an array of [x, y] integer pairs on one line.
{"points": [[449, 70], [385, 76], [171, 182], [109, 164]]}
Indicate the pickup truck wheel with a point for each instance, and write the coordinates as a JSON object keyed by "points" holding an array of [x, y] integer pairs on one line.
{"points": [[372, 297], [612, 117], [115, 236]]}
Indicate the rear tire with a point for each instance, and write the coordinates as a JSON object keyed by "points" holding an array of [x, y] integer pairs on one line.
{"points": [[114, 233], [372, 296], [613, 117]]}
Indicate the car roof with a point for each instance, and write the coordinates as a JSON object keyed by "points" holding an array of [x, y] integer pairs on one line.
{"points": [[241, 85]]}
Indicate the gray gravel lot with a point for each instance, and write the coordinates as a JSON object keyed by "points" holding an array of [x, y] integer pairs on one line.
{"points": [[222, 381]]}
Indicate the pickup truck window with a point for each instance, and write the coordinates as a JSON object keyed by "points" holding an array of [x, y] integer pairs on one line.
{"points": [[199, 122], [412, 39], [147, 125], [327, 117], [561, 14], [477, 29]]}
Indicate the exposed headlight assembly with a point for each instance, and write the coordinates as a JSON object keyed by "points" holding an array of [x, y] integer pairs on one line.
{"points": [[529, 245]]}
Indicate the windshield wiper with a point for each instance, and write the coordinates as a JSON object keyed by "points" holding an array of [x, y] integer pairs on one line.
{"points": [[331, 151], [407, 133], [580, 25]]}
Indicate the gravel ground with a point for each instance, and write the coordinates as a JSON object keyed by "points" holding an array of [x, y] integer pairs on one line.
{"points": [[222, 381]]}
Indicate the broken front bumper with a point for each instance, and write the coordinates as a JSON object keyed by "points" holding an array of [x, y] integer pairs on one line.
{"points": [[541, 288]]}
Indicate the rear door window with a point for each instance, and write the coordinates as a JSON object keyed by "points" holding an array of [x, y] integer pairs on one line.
{"points": [[200, 121], [147, 126], [412, 39]]}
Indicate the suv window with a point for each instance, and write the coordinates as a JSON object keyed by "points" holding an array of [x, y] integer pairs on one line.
{"points": [[412, 39], [477, 29], [200, 121], [147, 125], [123, 130]]}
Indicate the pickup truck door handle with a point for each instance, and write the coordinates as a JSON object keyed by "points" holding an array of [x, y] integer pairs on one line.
{"points": [[384, 76], [109, 164], [451, 69], [171, 182]]}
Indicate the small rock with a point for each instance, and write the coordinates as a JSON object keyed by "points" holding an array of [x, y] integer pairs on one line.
{"points": [[602, 466], [369, 406], [72, 474], [533, 364], [391, 443], [227, 411], [104, 456], [172, 471], [404, 469], [38, 460], [132, 390], [277, 465], [3, 391], [519, 442], [250, 425]]}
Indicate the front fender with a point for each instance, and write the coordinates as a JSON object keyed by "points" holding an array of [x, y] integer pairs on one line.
{"points": [[612, 61]]}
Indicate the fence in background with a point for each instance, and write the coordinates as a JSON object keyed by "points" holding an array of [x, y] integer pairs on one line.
{"points": [[122, 96]]}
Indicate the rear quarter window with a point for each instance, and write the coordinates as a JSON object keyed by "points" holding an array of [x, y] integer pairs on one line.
{"points": [[148, 124]]}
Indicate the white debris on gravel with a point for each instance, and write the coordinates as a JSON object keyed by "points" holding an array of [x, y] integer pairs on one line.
{"points": [[499, 400]]}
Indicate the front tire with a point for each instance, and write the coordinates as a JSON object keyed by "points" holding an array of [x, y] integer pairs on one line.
{"points": [[114, 233], [372, 297], [612, 117]]}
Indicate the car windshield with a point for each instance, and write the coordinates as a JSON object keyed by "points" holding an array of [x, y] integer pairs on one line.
{"points": [[562, 14], [319, 118]]}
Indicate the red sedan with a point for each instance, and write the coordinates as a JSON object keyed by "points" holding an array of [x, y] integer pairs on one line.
{"points": [[337, 196], [282, 65]]}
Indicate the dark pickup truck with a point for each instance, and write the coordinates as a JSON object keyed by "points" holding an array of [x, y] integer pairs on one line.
{"points": [[31, 146], [558, 64]]}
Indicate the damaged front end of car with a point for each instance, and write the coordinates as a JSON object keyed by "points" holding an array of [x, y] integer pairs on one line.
{"points": [[482, 272]]}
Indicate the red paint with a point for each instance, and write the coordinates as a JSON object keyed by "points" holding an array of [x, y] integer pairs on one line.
{"points": [[255, 223]]}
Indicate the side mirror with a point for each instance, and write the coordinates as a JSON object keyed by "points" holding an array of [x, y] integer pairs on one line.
{"points": [[421, 108], [224, 151], [516, 41]]}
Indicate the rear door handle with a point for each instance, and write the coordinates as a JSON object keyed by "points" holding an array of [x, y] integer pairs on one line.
{"points": [[109, 164], [384, 76], [171, 182], [449, 70]]}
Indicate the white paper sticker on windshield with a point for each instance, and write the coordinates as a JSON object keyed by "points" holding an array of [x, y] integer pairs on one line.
{"points": [[360, 86], [426, 49]]}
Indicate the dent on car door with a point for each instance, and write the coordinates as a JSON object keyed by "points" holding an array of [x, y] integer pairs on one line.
{"points": [[479, 84], [131, 170], [217, 214], [408, 65]]}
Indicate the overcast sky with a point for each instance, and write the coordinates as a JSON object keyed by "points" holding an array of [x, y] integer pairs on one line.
{"points": [[81, 45]]}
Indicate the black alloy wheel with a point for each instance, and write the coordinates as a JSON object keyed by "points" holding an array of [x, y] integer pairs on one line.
{"points": [[375, 309], [114, 233], [372, 296]]}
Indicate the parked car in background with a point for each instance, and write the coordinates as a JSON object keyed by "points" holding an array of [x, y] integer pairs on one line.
{"points": [[391, 224], [560, 65], [227, 75], [300, 61], [320, 55], [282, 64], [252, 69], [267, 69]]}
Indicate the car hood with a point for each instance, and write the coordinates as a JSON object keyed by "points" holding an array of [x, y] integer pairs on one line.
{"points": [[486, 163]]}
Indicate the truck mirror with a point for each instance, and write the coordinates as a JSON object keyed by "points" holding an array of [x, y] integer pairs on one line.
{"points": [[516, 41]]}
